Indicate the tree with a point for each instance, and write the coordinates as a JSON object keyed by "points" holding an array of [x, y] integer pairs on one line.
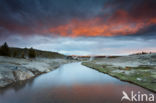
{"points": [[22, 56], [32, 53], [15, 54], [5, 50]]}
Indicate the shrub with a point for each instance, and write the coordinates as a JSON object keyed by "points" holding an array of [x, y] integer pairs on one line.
{"points": [[15, 54], [32, 53], [22, 56], [5, 50]]}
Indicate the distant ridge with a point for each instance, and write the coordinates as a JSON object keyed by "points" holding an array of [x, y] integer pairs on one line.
{"points": [[39, 53]]}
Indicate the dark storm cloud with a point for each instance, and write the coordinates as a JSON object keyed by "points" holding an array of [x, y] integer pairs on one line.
{"points": [[28, 16], [137, 9], [93, 18], [134, 11]]}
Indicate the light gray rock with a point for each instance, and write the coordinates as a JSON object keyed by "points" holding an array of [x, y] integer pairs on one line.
{"points": [[17, 69], [22, 74], [6, 78]]}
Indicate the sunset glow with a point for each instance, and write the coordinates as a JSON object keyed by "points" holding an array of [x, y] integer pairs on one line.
{"points": [[115, 27]]}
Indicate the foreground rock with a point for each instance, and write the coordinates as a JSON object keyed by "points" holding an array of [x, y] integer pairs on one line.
{"points": [[137, 69], [14, 69]]}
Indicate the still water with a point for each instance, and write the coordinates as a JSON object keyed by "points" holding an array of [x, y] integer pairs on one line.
{"points": [[70, 83]]}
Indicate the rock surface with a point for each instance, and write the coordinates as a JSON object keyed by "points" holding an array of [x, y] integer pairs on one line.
{"points": [[16, 69]]}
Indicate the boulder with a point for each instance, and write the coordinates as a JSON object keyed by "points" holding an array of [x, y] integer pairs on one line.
{"points": [[22, 74]]}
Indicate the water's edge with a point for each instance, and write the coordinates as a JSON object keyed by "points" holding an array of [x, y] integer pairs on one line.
{"points": [[128, 81]]}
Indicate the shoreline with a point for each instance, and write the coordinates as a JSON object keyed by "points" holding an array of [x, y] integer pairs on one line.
{"points": [[124, 78], [26, 80], [15, 70]]}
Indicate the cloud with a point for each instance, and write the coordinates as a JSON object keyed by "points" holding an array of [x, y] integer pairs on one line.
{"points": [[77, 18], [94, 27], [138, 17], [80, 27], [29, 17], [85, 45]]}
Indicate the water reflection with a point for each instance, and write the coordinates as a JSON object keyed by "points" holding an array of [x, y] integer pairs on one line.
{"points": [[71, 83], [71, 74]]}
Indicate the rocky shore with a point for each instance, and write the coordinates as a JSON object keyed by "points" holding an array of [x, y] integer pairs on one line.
{"points": [[13, 70]]}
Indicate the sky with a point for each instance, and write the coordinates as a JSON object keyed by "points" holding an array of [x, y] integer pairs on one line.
{"points": [[80, 27]]}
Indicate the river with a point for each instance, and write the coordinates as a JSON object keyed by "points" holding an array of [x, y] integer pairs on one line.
{"points": [[70, 83]]}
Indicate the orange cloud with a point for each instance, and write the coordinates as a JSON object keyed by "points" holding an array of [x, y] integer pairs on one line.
{"points": [[121, 23], [152, 21]]}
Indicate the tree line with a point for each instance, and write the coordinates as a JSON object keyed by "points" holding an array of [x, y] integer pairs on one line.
{"points": [[5, 50]]}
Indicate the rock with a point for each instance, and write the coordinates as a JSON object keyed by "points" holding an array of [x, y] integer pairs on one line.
{"points": [[15, 69], [6, 78], [23, 74], [5, 82], [139, 79], [9, 75]]}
